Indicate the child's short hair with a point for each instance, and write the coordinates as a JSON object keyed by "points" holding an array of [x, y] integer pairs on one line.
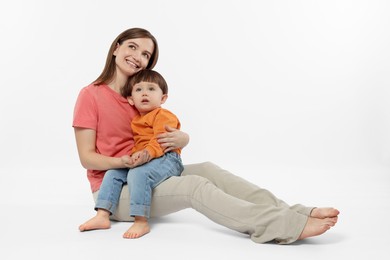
{"points": [[145, 75]]}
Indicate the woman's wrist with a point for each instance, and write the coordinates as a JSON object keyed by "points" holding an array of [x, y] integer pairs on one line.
{"points": [[187, 139], [116, 162]]}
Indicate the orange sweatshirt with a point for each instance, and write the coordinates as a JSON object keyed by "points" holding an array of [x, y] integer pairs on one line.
{"points": [[147, 127]]}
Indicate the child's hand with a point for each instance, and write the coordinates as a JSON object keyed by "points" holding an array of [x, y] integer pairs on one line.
{"points": [[127, 161], [140, 158]]}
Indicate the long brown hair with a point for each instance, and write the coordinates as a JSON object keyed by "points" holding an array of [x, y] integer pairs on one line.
{"points": [[132, 33]]}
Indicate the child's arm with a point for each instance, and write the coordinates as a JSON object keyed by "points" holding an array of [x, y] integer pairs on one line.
{"points": [[162, 120]]}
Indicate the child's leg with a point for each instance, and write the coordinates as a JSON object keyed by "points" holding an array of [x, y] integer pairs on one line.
{"points": [[138, 229], [100, 221], [142, 180], [107, 200]]}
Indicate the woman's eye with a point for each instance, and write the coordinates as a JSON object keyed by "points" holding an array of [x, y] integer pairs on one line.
{"points": [[146, 55], [132, 46]]}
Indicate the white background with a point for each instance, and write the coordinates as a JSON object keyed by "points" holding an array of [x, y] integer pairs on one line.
{"points": [[292, 95]]}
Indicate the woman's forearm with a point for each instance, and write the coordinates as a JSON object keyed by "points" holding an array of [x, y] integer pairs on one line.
{"points": [[89, 158], [95, 161]]}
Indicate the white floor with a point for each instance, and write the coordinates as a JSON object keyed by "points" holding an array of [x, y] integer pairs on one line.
{"points": [[48, 230]]}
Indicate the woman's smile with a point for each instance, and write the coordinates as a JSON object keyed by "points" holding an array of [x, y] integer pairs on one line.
{"points": [[133, 64]]}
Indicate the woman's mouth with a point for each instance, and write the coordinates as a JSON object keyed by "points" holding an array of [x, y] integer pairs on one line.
{"points": [[132, 64]]}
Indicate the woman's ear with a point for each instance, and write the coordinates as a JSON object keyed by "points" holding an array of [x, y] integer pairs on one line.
{"points": [[116, 49]]}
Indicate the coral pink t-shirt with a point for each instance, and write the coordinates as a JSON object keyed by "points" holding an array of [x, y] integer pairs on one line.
{"points": [[108, 113]]}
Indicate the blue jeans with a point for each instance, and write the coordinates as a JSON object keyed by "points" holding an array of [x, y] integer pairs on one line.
{"points": [[141, 180]]}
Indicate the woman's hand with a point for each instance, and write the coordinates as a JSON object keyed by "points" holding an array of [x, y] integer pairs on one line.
{"points": [[172, 139], [127, 161]]}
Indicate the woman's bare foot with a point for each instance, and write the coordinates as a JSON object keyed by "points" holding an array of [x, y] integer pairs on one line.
{"points": [[324, 213], [138, 229], [100, 221], [317, 226]]}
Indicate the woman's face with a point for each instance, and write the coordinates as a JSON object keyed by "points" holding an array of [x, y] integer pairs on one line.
{"points": [[133, 55]]}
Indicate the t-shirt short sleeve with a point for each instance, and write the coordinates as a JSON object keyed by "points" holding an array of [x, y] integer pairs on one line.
{"points": [[85, 111]]}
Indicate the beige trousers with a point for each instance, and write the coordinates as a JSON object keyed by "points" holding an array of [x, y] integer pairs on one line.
{"points": [[227, 200]]}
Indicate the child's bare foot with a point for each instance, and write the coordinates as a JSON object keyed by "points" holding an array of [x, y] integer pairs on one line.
{"points": [[317, 226], [100, 221], [324, 213], [138, 229]]}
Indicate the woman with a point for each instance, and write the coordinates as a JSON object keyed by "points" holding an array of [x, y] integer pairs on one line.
{"points": [[101, 122]]}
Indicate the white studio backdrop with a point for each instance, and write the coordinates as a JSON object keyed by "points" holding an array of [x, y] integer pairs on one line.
{"points": [[257, 84]]}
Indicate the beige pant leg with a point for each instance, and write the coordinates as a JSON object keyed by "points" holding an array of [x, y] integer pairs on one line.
{"points": [[263, 222], [238, 187]]}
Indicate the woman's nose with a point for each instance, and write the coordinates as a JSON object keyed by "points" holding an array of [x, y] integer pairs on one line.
{"points": [[137, 55]]}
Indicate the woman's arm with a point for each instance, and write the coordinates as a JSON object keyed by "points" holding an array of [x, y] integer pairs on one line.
{"points": [[173, 139], [86, 146]]}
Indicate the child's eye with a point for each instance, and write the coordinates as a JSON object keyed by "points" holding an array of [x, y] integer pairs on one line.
{"points": [[137, 89]]}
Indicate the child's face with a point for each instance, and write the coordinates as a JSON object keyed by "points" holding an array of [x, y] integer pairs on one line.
{"points": [[147, 96]]}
